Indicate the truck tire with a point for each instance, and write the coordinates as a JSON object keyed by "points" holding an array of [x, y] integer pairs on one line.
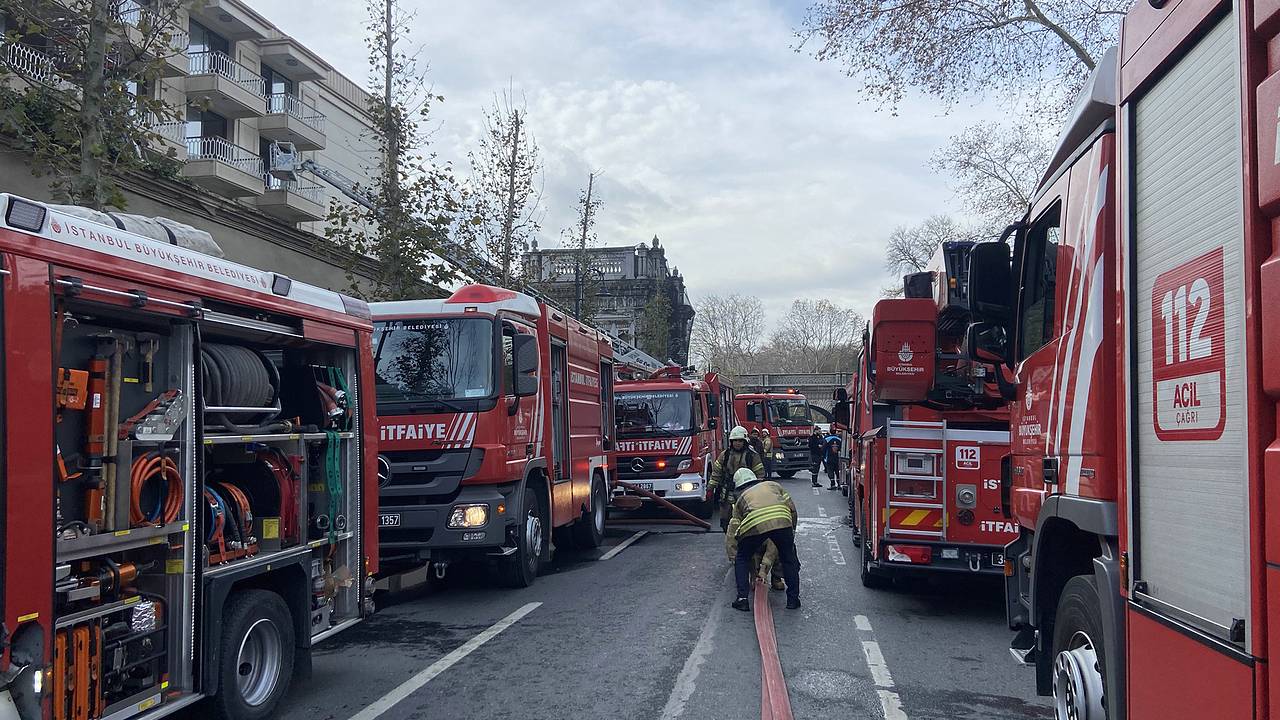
{"points": [[871, 578], [786, 474], [1079, 687], [520, 569], [255, 659], [702, 508], [588, 532]]}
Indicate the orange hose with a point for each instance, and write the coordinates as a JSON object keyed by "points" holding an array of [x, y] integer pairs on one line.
{"points": [[155, 465]]}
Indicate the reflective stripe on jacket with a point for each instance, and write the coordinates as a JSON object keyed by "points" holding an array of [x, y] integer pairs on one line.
{"points": [[763, 506]]}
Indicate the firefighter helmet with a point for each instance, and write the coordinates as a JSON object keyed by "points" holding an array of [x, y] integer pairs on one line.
{"points": [[743, 476], [738, 433]]}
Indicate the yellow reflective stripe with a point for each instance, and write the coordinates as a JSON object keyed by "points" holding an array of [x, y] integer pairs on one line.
{"points": [[755, 517], [915, 518], [786, 497]]}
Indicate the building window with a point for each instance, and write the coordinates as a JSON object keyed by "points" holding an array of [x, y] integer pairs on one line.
{"points": [[276, 83], [205, 124], [205, 40]]}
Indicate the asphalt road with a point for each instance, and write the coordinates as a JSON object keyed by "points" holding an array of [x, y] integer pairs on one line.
{"points": [[648, 634]]}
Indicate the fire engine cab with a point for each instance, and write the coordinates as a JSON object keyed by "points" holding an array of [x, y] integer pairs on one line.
{"points": [[1136, 308], [496, 415], [788, 418], [187, 472], [671, 428]]}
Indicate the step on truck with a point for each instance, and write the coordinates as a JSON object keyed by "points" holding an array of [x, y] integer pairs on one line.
{"points": [[1135, 307], [671, 429], [187, 473], [496, 425], [929, 432], [788, 418]]}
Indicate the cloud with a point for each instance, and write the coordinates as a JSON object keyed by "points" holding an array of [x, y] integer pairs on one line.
{"points": [[759, 168]]}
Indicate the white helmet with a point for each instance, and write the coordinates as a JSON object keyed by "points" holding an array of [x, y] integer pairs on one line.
{"points": [[738, 433], [743, 476]]}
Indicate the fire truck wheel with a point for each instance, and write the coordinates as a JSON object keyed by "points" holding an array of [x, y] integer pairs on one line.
{"points": [[1078, 671], [786, 474], [871, 579], [588, 532], [256, 660], [521, 568]]}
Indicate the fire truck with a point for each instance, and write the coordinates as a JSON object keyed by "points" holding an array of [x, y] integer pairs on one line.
{"points": [[788, 419], [928, 432], [496, 415], [188, 472], [671, 428], [1134, 308]]}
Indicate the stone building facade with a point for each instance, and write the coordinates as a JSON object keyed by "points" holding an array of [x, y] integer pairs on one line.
{"points": [[623, 282]]}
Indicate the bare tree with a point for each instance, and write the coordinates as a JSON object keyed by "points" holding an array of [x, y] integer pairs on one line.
{"points": [[815, 336], [910, 247], [727, 331], [997, 168], [86, 107], [504, 203]]}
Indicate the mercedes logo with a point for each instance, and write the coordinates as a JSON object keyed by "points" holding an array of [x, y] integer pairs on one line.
{"points": [[384, 472], [637, 465]]}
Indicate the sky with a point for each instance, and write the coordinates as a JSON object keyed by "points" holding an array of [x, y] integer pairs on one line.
{"points": [[762, 171]]}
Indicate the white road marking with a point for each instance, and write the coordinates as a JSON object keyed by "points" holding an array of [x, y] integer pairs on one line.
{"points": [[687, 681], [890, 702], [408, 687], [822, 512], [624, 544], [815, 491]]}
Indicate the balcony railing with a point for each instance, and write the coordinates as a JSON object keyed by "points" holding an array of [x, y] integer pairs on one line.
{"points": [[212, 62], [28, 63], [295, 108], [174, 131], [137, 16], [314, 193], [216, 148]]}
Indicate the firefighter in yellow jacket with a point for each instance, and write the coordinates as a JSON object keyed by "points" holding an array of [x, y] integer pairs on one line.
{"points": [[739, 454], [764, 511]]}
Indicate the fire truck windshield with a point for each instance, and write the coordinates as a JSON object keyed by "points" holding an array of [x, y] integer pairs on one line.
{"points": [[790, 412], [433, 359], [643, 412]]}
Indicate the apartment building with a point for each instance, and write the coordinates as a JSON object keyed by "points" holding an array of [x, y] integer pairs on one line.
{"points": [[240, 84]]}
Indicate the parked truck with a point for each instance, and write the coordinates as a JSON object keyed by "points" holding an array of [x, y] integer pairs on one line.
{"points": [[496, 437], [187, 473], [1135, 307], [671, 428], [788, 418], [928, 432]]}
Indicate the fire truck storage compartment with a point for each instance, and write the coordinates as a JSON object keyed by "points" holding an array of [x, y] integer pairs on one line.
{"points": [[903, 332]]}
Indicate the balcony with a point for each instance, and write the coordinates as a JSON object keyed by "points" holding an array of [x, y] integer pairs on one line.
{"points": [[223, 167], [288, 119], [291, 58], [170, 135], [157, 37], [25, 64], [292, 202], [225, 86]]}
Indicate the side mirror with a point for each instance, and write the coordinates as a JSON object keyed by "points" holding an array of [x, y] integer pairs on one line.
{"points": [[841, 412], [524, 348], [991, 283], [987, 343]]}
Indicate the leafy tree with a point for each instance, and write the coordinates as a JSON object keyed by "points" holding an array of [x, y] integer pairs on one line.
{"points": [[83, 104], [655, 322], [503, 208], [415, 197]]}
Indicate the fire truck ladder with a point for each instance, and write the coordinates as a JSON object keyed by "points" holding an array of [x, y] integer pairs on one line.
{"points": [[284, 163], [932, 460]]}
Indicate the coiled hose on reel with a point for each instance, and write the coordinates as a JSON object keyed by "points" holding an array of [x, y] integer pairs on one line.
{"points": [[238, 376]]}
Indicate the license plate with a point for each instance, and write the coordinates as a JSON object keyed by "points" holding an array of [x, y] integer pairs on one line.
{"points": [[950, 554], [472, 536], [389, 520], [644, 486]]}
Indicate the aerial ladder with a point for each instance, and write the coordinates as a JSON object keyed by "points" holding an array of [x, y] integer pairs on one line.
{"points": [[285, 163]]}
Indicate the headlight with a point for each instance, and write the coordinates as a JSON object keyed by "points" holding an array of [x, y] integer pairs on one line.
{"points": [[686, 486], [37, 682], [684, 465], [468, 516]]}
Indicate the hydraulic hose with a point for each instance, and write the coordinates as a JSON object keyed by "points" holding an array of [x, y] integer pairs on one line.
{"points": [[237, 376], [148, 469]]}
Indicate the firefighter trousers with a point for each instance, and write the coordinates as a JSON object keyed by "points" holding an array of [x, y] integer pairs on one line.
{"points": [[785, 540]]}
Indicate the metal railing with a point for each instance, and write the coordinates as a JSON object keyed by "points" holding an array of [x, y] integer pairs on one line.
{"points": [[295, 108], [314, 193], [223, 151], [172, 130], [28, 63], [212, 62], [137, 16]]}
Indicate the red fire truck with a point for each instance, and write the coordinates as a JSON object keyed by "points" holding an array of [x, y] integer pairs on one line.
{"points": [[187, 443], [496, 416], [929, 434], [788, 419], [1136, 313], [671, 428]]}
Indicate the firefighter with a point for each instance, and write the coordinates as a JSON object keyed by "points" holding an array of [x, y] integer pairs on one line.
{"points": [[738, 455], [756, 444], [815, 454], [766, 443], [764, 512], [831, 458], [764, 564]]}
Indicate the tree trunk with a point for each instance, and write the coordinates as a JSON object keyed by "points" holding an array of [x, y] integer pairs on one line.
{"points": [[87, 187], [508, 217], [582, 246]]}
